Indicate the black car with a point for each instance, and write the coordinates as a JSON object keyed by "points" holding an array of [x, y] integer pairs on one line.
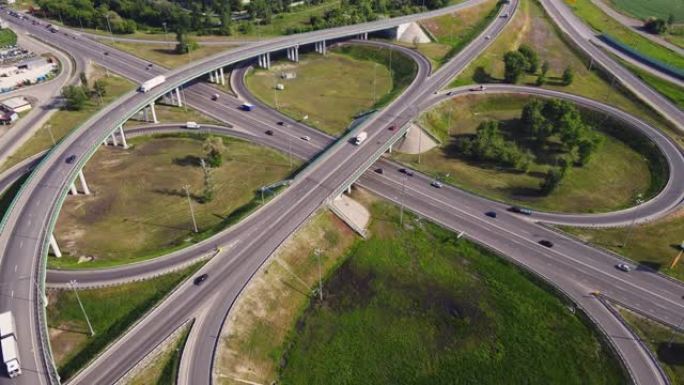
{"points": [[406, 171], [201, 278], [281, 123], [379, 170], [70, 159], [491, 214], [269, 132], [546, 243], [521, 210]]}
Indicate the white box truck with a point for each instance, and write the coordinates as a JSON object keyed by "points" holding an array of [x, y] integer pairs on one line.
{"points": [[10, 350], [150, 84], [360, 138]]}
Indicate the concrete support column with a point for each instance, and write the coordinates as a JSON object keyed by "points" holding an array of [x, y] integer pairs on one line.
{"points": [[289, 54], [144, 113], [154, 113], [104, 142], [296, 52], [169, 98], [72, 189], [123, 137], [84, 185], [260, 62], [211, 77], [349, 189], [389, 150], [114, 141], [55, 247], [223, 77], [268, 60], [178, 97]]}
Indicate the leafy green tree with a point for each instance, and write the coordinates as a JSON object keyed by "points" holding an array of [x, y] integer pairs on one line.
{"points": [[655, 26], [551, 180], [541, 79], [545, 67], [75, 97], [568, 76], [213, 147], [531, 56], [515, 64], [100, 87]]}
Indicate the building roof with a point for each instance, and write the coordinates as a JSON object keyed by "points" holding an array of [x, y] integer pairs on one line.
{"points": [[15, 103]]}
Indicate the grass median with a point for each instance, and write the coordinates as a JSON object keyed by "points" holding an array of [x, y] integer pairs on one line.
{"points": [[623, 167], [331, 90], [139, 208], [164, 54], [415, 305], [111, 311]]}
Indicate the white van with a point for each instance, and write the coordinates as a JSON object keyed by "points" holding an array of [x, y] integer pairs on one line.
{"points": [[192, 125]]}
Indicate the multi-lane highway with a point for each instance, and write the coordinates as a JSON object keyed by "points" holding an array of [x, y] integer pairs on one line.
{"points": [[268, 227]]}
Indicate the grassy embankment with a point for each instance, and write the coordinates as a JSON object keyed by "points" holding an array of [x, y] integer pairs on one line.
{"points": [[7, 37], [164, 54], [63, 122], [416, 305], [111, 311], [665, 344], [642, 10], [333, 89], [670, 90], [530, 25], [453, 31], [138, 196], [654, 244], [614, 176], [603, 23]]}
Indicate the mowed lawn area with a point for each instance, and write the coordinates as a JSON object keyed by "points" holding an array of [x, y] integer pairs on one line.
{"points": [[611, 180], [415, 305], [453, 31], [654, 244], [530, 25], [331, 90], [139, 208], [643, 9], [111, 311], [164, 54]]}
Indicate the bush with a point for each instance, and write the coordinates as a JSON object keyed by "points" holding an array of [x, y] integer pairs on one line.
{"points": [[515, 64], [75, 97], [655, 26], [568, 76]]}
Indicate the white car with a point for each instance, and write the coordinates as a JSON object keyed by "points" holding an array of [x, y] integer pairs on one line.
{"points": [[436, 183], [487, 37], [306, 138], [624, 267]]}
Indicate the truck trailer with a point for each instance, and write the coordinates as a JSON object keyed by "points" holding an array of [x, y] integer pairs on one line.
{"points": [[8, 343], [150, 84], [360, 138]]}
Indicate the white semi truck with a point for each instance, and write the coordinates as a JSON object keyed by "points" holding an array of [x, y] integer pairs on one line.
{"points": [[360, 138], [150, 84], [10, 350]]}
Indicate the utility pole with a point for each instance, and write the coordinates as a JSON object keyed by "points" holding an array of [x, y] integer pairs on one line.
{"points": [[166, 34], [631, 227], [401, 206], [192, 212], [49, 129], [262, 195], [320, 275], [420, 139], [111, 35], [73, 284]]}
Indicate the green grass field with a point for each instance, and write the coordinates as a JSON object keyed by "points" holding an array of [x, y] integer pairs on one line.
{"points": [[643, 9], [164, 369], [654, 244], [7, 37], [63, 122], [669, 90], [331, 90], [453, 31], [418, 306], [658, 337], [530, 25], [163, 54], [601, 22], [611, 180], [138, 196], [111, 311]]}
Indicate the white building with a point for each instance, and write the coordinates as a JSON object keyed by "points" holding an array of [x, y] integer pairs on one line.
{"points": [[17, 104]]}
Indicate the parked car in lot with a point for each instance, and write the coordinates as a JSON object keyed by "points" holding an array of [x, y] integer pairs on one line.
{"points": [[491, 214], [624, 267], [406, 171], [546, 243], [200, 279], [436, 184]]}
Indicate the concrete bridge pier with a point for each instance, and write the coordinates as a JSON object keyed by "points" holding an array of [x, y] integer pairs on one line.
{"points": [[114, 141], [178, 97], [389, 149], [72, 189], [84, 185], [54, 247], [265, 60], [293, 54], [362, 36], [321, 47], [123, 137], [145, 116], [222, 76]]}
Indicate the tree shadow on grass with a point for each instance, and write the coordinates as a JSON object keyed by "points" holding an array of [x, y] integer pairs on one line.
{"points": [[189, 160], [671, 354], [166, 51], [176, 192]]}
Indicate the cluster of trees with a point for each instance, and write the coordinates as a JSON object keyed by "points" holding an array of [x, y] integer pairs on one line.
{"points": [[213, 148], [489, 144], [559, 119], [76, 96], [658, 26], [526, 60]]}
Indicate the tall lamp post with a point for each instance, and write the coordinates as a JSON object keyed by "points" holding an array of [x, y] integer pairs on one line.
{"points": [[73, 284], [639, 200]]}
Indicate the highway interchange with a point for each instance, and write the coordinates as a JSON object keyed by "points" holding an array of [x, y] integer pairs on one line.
{"points": [[574, 268]]}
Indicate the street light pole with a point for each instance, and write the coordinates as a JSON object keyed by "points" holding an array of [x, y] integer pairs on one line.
{"points": [[166, 34], [73, 284], [192, 212], [401, 207], [320, 275], [111, 35], [631, 227]]}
